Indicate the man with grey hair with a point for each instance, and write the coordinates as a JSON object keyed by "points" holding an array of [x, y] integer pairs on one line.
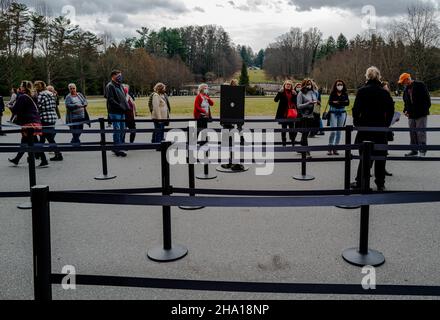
{"points": [[373, 107]]}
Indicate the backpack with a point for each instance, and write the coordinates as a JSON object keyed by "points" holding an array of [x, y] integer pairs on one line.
{"points": [[150, 102]]}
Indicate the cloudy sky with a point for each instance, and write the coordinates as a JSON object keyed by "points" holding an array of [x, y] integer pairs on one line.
{"points": [[249, 22]]}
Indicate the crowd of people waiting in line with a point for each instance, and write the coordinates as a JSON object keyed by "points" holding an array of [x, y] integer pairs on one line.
{"points": [[35, 105]]}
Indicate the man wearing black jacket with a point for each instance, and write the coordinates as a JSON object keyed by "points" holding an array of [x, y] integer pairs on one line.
{"points": [[373, 107], [117, 106], [417, 104]]}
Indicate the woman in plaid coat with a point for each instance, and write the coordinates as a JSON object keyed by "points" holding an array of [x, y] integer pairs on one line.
{"points": [[47, 109]]}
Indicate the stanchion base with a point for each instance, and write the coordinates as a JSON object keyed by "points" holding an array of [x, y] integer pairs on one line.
{"points": [[105, 177], [223, 170], [159, 254], [25, 206], [206, 177], [190, 208], [349, 207], [373, 258], [304, 177]]}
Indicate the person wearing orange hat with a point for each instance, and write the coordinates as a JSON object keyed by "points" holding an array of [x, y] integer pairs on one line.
{"points": [[417, 104]]}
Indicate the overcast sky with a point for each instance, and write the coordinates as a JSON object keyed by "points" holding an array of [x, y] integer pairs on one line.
{"points": [[249, 22]]}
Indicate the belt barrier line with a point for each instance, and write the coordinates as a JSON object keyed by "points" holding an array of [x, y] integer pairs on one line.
{"points": [[254, 287], [248, 202]]}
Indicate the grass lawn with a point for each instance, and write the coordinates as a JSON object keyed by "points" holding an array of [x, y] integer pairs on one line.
{"points": [[257, 76], [184, 106]]}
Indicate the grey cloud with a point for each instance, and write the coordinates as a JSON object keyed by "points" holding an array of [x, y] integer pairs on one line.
{"points": [[84, 7], [383, 8], [199, 9]]}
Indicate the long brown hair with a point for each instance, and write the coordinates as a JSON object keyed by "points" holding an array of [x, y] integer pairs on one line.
{"points": [[28, 87], [335, 90], [304, 85]]}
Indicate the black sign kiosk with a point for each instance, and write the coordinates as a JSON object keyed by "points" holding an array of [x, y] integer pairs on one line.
{"points": [[232, 102]]}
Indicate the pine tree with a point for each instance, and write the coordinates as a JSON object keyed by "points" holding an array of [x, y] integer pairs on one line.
{"points": [[342, 43], [244, 77]]}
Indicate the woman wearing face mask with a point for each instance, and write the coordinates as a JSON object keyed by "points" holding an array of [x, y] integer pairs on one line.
{"points": [[307, 100], [338, 100], [286, 99]]}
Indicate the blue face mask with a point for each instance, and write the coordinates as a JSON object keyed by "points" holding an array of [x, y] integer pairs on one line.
{"points": [[119, 79]]}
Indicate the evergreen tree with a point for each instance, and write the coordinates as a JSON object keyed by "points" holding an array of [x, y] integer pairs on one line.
{"points": [[244, 77], [342, 43]]}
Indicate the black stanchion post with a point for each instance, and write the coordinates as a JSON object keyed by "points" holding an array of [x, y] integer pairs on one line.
{"points": [[205, 175], [363, 256], [347, 174], [304, 176], [191, 179], [168, 252], [231, 156], [105, 175], [32, 172], [41, 243]]}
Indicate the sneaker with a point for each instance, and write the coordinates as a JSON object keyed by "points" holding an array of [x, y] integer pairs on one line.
{"points": [[412, 154], [355, 185], [14, 161]]}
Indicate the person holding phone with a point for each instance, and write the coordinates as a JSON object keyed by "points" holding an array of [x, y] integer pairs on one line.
{"points": [[307, 101]]}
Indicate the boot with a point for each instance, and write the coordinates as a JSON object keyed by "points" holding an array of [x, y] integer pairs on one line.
{"points": [[15, 161]]}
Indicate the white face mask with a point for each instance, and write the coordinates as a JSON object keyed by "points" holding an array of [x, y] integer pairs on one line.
{"points": [[309, 87], [340, 88], [206, 91]]}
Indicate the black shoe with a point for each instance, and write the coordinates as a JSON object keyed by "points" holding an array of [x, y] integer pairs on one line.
{"points": [[335, 152], [412, 154], [2, 134], [321, 133], [58, 157], [237, 167], [381, 188], [122, 154], [308, 156], [43, 164], [388, 174], [14, 161]]}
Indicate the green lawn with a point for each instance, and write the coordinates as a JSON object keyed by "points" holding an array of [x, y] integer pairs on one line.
{"points": [[257, 76], [183, 106]]}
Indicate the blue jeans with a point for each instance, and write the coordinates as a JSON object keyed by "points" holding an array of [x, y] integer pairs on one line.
{"points": [[118, 127], [158, 134], [337, 120]]}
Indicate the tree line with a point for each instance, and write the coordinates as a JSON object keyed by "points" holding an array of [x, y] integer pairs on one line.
{"points": [[36, 45], [410, 44]]}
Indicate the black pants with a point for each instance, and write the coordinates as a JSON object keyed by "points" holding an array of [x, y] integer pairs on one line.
{"points": [[379, 168], [49, 137], [304, 123], [292, 135], [26, 141], [132, 126]]}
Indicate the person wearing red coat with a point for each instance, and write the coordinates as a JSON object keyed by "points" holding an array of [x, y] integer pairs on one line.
{"points": [[202, 106]]}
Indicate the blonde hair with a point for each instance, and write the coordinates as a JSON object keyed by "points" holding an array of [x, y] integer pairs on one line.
{"points": [[288, 82], [234, 82], [159, 87], [201, 86], [373, 73], [71, 85]]}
